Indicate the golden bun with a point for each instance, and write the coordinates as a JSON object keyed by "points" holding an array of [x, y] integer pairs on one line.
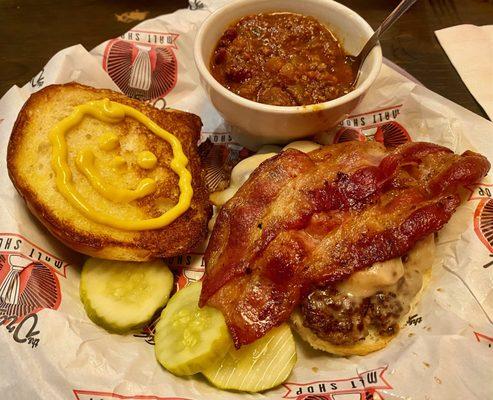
{"points": [[371, 343], [29, 167]]}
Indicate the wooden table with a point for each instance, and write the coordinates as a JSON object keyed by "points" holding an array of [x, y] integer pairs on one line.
{"points": [[31, 31]]}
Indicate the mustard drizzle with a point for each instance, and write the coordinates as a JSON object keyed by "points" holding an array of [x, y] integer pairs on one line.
{"points": [[146, 159], [85, 163], [113, 112]]}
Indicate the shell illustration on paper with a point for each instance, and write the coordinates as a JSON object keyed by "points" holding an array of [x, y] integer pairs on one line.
{"points": [[349, 135], [390, 133], [141, 70], [486, 222], [218, 160], [483, 223], [26, 286]]}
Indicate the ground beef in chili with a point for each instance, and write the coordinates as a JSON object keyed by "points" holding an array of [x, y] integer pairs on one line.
{"points": [[281, 59]]}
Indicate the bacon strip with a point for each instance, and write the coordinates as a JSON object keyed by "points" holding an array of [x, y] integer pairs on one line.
{"points": [[303, 220]]}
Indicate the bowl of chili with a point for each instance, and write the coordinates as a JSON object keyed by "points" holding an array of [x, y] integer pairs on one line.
{"points": [[277, 70]]}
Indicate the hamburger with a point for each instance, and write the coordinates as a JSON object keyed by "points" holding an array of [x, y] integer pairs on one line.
{"points": [[339, 241]]}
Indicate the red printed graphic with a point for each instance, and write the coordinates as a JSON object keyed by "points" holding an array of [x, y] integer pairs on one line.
{"points": [[362, 386], [219, 154], [18, 244], [188, 268], [143, 64], [482, 338], [483, 223], [147, 332], [378, 125], [28, 277], [389, 133], [26, 286], [94, 395]]}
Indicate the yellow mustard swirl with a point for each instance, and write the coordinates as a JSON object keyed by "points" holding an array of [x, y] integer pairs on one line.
{"points": [[118, 162], [146, 159], [113, 112], [108, 141], [85, 163]]}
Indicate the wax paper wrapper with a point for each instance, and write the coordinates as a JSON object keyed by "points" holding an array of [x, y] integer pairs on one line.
{"points": [[49, 349]]}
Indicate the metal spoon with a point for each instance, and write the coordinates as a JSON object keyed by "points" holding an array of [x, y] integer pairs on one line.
{"points": [[357, 61]]}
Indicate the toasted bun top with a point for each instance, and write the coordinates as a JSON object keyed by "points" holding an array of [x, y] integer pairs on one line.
{"points": [[29, 166]]}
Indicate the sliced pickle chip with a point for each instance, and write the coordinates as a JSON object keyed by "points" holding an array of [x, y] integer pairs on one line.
{"points": [[188, 338], [120, 296], [261, 365]]}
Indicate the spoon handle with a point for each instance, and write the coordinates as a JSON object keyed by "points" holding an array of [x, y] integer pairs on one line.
{"points": [[403, 6]]}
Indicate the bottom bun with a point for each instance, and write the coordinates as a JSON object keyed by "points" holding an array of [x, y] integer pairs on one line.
{"points": [[371, 343]]}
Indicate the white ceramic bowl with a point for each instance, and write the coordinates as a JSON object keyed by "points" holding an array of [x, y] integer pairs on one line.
{"points": [[262, 123]]}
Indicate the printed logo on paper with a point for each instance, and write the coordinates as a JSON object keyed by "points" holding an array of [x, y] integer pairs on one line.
{"points": [[219, 154], [143, 64], [148, 331], [361, 387], [28, 277], [483, 215], [378, 125], [195, 5], [94, 395], [483, 222], [480, 191], [189, 268], [38, 81], [28, 284]]}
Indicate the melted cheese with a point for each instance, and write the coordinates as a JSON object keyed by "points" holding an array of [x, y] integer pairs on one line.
{"points": [[303, 145], [383, 276], [118, 162], [239, 175], [420, 258], [369, 281]]}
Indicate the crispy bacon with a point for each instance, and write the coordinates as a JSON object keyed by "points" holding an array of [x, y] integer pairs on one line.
{"points": [[304, 220]]}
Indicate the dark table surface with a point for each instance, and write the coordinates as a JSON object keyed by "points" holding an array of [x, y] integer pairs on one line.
{"points": [[32, 31]]}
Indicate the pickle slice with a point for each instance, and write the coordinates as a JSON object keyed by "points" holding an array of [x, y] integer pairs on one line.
{"points": [[261, 365], [189, 338], [121, 296]]}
